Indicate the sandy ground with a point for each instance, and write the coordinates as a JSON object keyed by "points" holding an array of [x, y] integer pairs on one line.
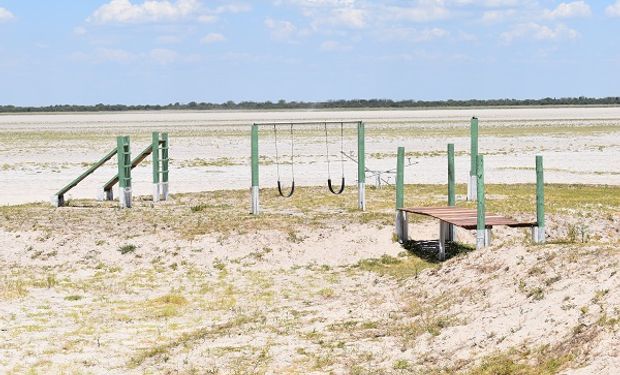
{"points": [[95, 290], [39, 154], [196, 285]]}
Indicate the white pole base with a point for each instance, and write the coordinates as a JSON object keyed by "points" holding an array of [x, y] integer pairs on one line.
{"points": [[103, 195], [125, 197], [443, 237], [538, 235], [472, 188], [361, 196], [58, 200], [255, 204], [402, 226], [164, 191], [156, 192], [483, 239]]}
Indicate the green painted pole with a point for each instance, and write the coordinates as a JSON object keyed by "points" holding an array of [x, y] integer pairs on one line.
{"points": [[255, 177], [156, 156], [451, 177], [451, 230], [124, 171], [155, 151], [481, 232], [165, 166], [401, 216], [361, 166], [539, 231], [472, 184], [400, 178]]}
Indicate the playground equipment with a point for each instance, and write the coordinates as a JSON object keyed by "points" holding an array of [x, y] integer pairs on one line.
{"points": [[160, 163], [361, 170], [470, 219], [125, 165]]}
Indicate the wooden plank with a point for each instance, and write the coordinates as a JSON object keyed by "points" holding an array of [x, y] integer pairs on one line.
{"points": [[466, 217]]}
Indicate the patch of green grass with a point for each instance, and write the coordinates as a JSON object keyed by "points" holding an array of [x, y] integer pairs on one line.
{"points": [[398, 268], [514, 363], [73, 297], [126, 249]]}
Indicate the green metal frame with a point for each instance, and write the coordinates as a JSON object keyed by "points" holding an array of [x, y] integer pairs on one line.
{"points": [[159, 151], [59, 197], [165, 158], [124, 161], [361, 159]]}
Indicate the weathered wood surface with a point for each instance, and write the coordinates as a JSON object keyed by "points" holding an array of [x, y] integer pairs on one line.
{"points": [[466, 217]]}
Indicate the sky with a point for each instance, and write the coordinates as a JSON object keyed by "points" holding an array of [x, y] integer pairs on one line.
{"points": [[166, 51]]}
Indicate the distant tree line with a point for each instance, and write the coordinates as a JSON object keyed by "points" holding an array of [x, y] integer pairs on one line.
{"points": [[331, 104]]}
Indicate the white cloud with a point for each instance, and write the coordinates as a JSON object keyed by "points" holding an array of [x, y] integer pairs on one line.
{"points": [[414, 35], [132, 11], [80, 30], [495, 16], [538, 32], [5, 15], [424, 11], [334, 46], [124, 11], [163, 56], [613, 10], [280, 30], [569, 10], [168, 39], [213, 38]]}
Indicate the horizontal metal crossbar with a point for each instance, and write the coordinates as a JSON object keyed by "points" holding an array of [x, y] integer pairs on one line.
{"points": [[308, 123], [466, 218]]}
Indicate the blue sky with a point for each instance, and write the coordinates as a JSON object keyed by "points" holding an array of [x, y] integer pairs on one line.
{"points": [[156, 52]]}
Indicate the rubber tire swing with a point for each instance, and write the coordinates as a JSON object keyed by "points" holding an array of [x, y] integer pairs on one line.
{"points": [[329, 177], [290, 193]]}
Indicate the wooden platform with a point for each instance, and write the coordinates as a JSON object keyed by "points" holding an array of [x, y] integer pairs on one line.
{"points": [[466, 218]]}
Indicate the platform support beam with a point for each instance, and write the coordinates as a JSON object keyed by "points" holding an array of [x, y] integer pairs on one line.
{"points": [[255, 178], [472, 184], [451, 190], [538, 232], [124, 171], [361, 166], [401, 217]]}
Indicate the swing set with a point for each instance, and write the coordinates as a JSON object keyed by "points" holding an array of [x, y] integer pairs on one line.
{"points": [[361, 175]]}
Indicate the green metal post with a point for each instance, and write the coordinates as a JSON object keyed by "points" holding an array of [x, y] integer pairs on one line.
{"points": [[255, 177], [539, 230], [165, 166], [400, 178], [451, 230], [451, 177], [124, 171], [401, 216], [471, 191], [482, 237], [155, 151], [361, 166]]}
